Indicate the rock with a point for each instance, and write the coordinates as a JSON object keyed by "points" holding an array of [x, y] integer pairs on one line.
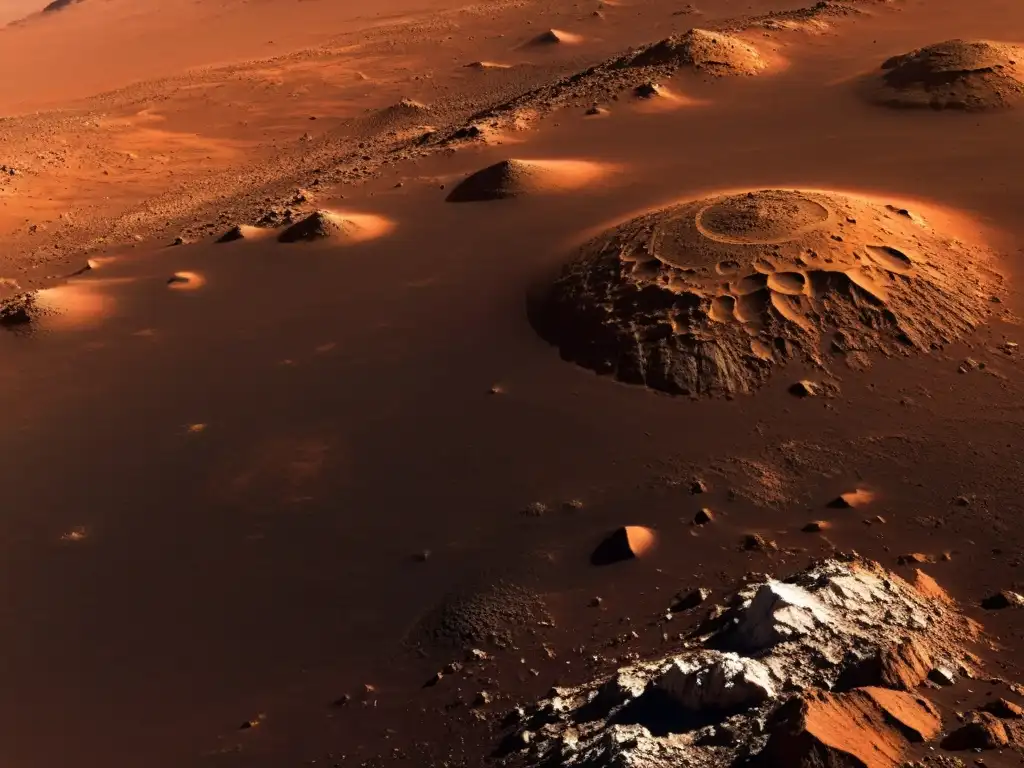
{"points": [[625, 543], [1001, 600], [867, 727], [535, 509], [984, 731], [235, 233], [804, 388], [19, 309], [760, 675], [703, 516], [712, 680], [942, 676], [902, 666], [482, 699], [969, 364], [914, 558], [816, 526], [648, 90], [1004, 709], [698, 486], [178, 241], [686, 601], [852, 499], [755, 542], [962, 501]]}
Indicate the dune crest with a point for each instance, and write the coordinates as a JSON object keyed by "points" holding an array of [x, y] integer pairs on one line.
{"points": [[704, 298]]}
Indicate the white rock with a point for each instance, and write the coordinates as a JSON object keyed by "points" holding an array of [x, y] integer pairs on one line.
{"points": [[716, 680]]}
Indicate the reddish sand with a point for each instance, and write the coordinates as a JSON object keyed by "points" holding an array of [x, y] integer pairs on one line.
{"points": [[233, 504]]}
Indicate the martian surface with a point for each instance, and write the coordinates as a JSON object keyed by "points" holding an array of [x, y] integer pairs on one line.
{"points": [[517, 384]]}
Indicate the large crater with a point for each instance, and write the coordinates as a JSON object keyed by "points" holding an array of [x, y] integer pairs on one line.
{"points": [[706, 297]]}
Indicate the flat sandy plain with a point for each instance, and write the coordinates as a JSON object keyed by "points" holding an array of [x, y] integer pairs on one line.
{"points": [[256, 493]]}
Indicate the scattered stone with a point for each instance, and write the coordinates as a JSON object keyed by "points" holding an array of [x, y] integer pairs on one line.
{"points": [[475, 654], [817, 526], [535, 509], [1001, 600], [573, 505], [686, 601], [969, 364], [1009, 347], [596, 602], [626, 543], [483, 698], [453, 667], [343, 701], [703, 516]]}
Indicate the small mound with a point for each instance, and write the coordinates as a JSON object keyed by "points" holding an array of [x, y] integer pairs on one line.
{"points": [[971, 75], [403, 113], [513, 178], [490, 613], [319, 225], [329, 225], [710, 52], [556, 36], [706, 297], [625, 543]]}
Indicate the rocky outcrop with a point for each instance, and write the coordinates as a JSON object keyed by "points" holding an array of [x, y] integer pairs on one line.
{"points": [[865, 728], [819, 668]]}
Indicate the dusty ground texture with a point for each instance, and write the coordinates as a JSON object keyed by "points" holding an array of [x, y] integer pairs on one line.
{"points": [[292, 479]]}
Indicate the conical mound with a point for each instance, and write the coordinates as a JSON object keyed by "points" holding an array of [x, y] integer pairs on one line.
{"points": [[554, 37], [705, 298], [319, 225], [972, 75], [711, 52], [513, 178]]}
